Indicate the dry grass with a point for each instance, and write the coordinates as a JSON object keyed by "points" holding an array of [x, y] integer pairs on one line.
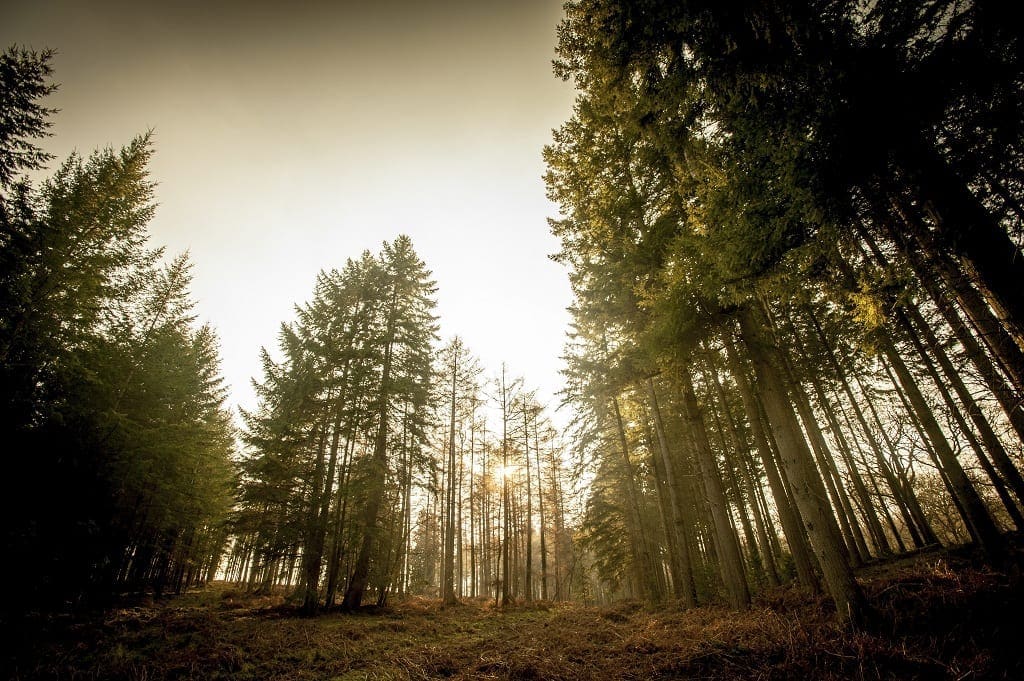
{"points": [[938, 617]]}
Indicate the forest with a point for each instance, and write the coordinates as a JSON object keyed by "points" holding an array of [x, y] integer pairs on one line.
{"points": [[794, 381]]}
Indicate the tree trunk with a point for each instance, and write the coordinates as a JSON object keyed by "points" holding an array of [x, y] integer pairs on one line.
{"points": [[685, 588], [757, 564], [529, 505], [540, 509], [378, 474], [646, 580], [764, 556], [1002, 345], [904, 493], [791, 525], [448, 578], [991, 441], [726, 542], [1011, 402], [808, 491], [313, 548], [963, 225], [844, 512], [472, 502], [506, 593], [983, 530], [900, 479], [957, 416], [846, 453]]}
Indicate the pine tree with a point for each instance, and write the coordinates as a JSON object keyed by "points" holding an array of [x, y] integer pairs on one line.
{"points": [[112, 404]]}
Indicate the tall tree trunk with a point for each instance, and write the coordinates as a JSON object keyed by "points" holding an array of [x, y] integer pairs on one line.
{"points": [[993, 445], [724, 441], [487, 576], [378, 473], [846, 453], [506, 593], [460, 562], [447, 580], [338, 520], [319, 525], [808, 490], [662, 494], [762, 514], [921, 335], [312, 554], [540, 505], [529, 505], [639, 541], [963, 225], [845, 514], [895, 488], [982, 529], [958, 418], [406, 463], [472, 501], [1011, 401], [791, 524], [726, 542], [685, 587], [900, 479], [899, 490], [1002, 345], [764, 556]]}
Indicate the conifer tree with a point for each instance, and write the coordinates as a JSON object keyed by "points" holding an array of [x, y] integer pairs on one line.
{"points": [[112, 404]]}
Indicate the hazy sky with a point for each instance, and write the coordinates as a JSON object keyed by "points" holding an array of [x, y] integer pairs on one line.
{"points": [[290, 139]]}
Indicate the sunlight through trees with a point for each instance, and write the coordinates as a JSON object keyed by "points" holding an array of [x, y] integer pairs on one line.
{"points": [[793, 235]]}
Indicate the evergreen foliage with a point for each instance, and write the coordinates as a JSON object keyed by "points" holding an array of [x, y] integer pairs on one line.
{"points": [[113, 410], [770, 184]]}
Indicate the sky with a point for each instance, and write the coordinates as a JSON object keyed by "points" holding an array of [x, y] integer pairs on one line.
{"points": [[291, 138]]}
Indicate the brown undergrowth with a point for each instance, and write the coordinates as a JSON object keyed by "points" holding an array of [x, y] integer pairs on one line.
{"points": [[939, 616]]}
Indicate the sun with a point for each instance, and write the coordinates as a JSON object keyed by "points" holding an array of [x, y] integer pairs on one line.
{"points": [[506, 472]]}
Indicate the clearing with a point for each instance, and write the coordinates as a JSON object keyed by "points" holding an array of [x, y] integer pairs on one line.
{"points": [[940, 615]]}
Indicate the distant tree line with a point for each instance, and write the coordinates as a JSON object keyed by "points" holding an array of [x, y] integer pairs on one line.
{"points": [[369, 469], [793, 232]]}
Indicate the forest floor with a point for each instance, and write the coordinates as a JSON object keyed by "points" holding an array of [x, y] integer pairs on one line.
{"points": [[939, 616]]}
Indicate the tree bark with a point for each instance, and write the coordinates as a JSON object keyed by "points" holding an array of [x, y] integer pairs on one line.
{"points": [[1003, 347], [958, 418], [964, 227], [448, 571], [1011, 401], [991, 441], [540, 509], [529, 504], [726, 542], [724, 439], [685, 588], [791, 524], [808, 491]]}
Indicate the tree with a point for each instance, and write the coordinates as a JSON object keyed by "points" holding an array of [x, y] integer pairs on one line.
{"points": [[24, 80], [112, 404], [404, 379], [716, 167], [457, 373]]}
